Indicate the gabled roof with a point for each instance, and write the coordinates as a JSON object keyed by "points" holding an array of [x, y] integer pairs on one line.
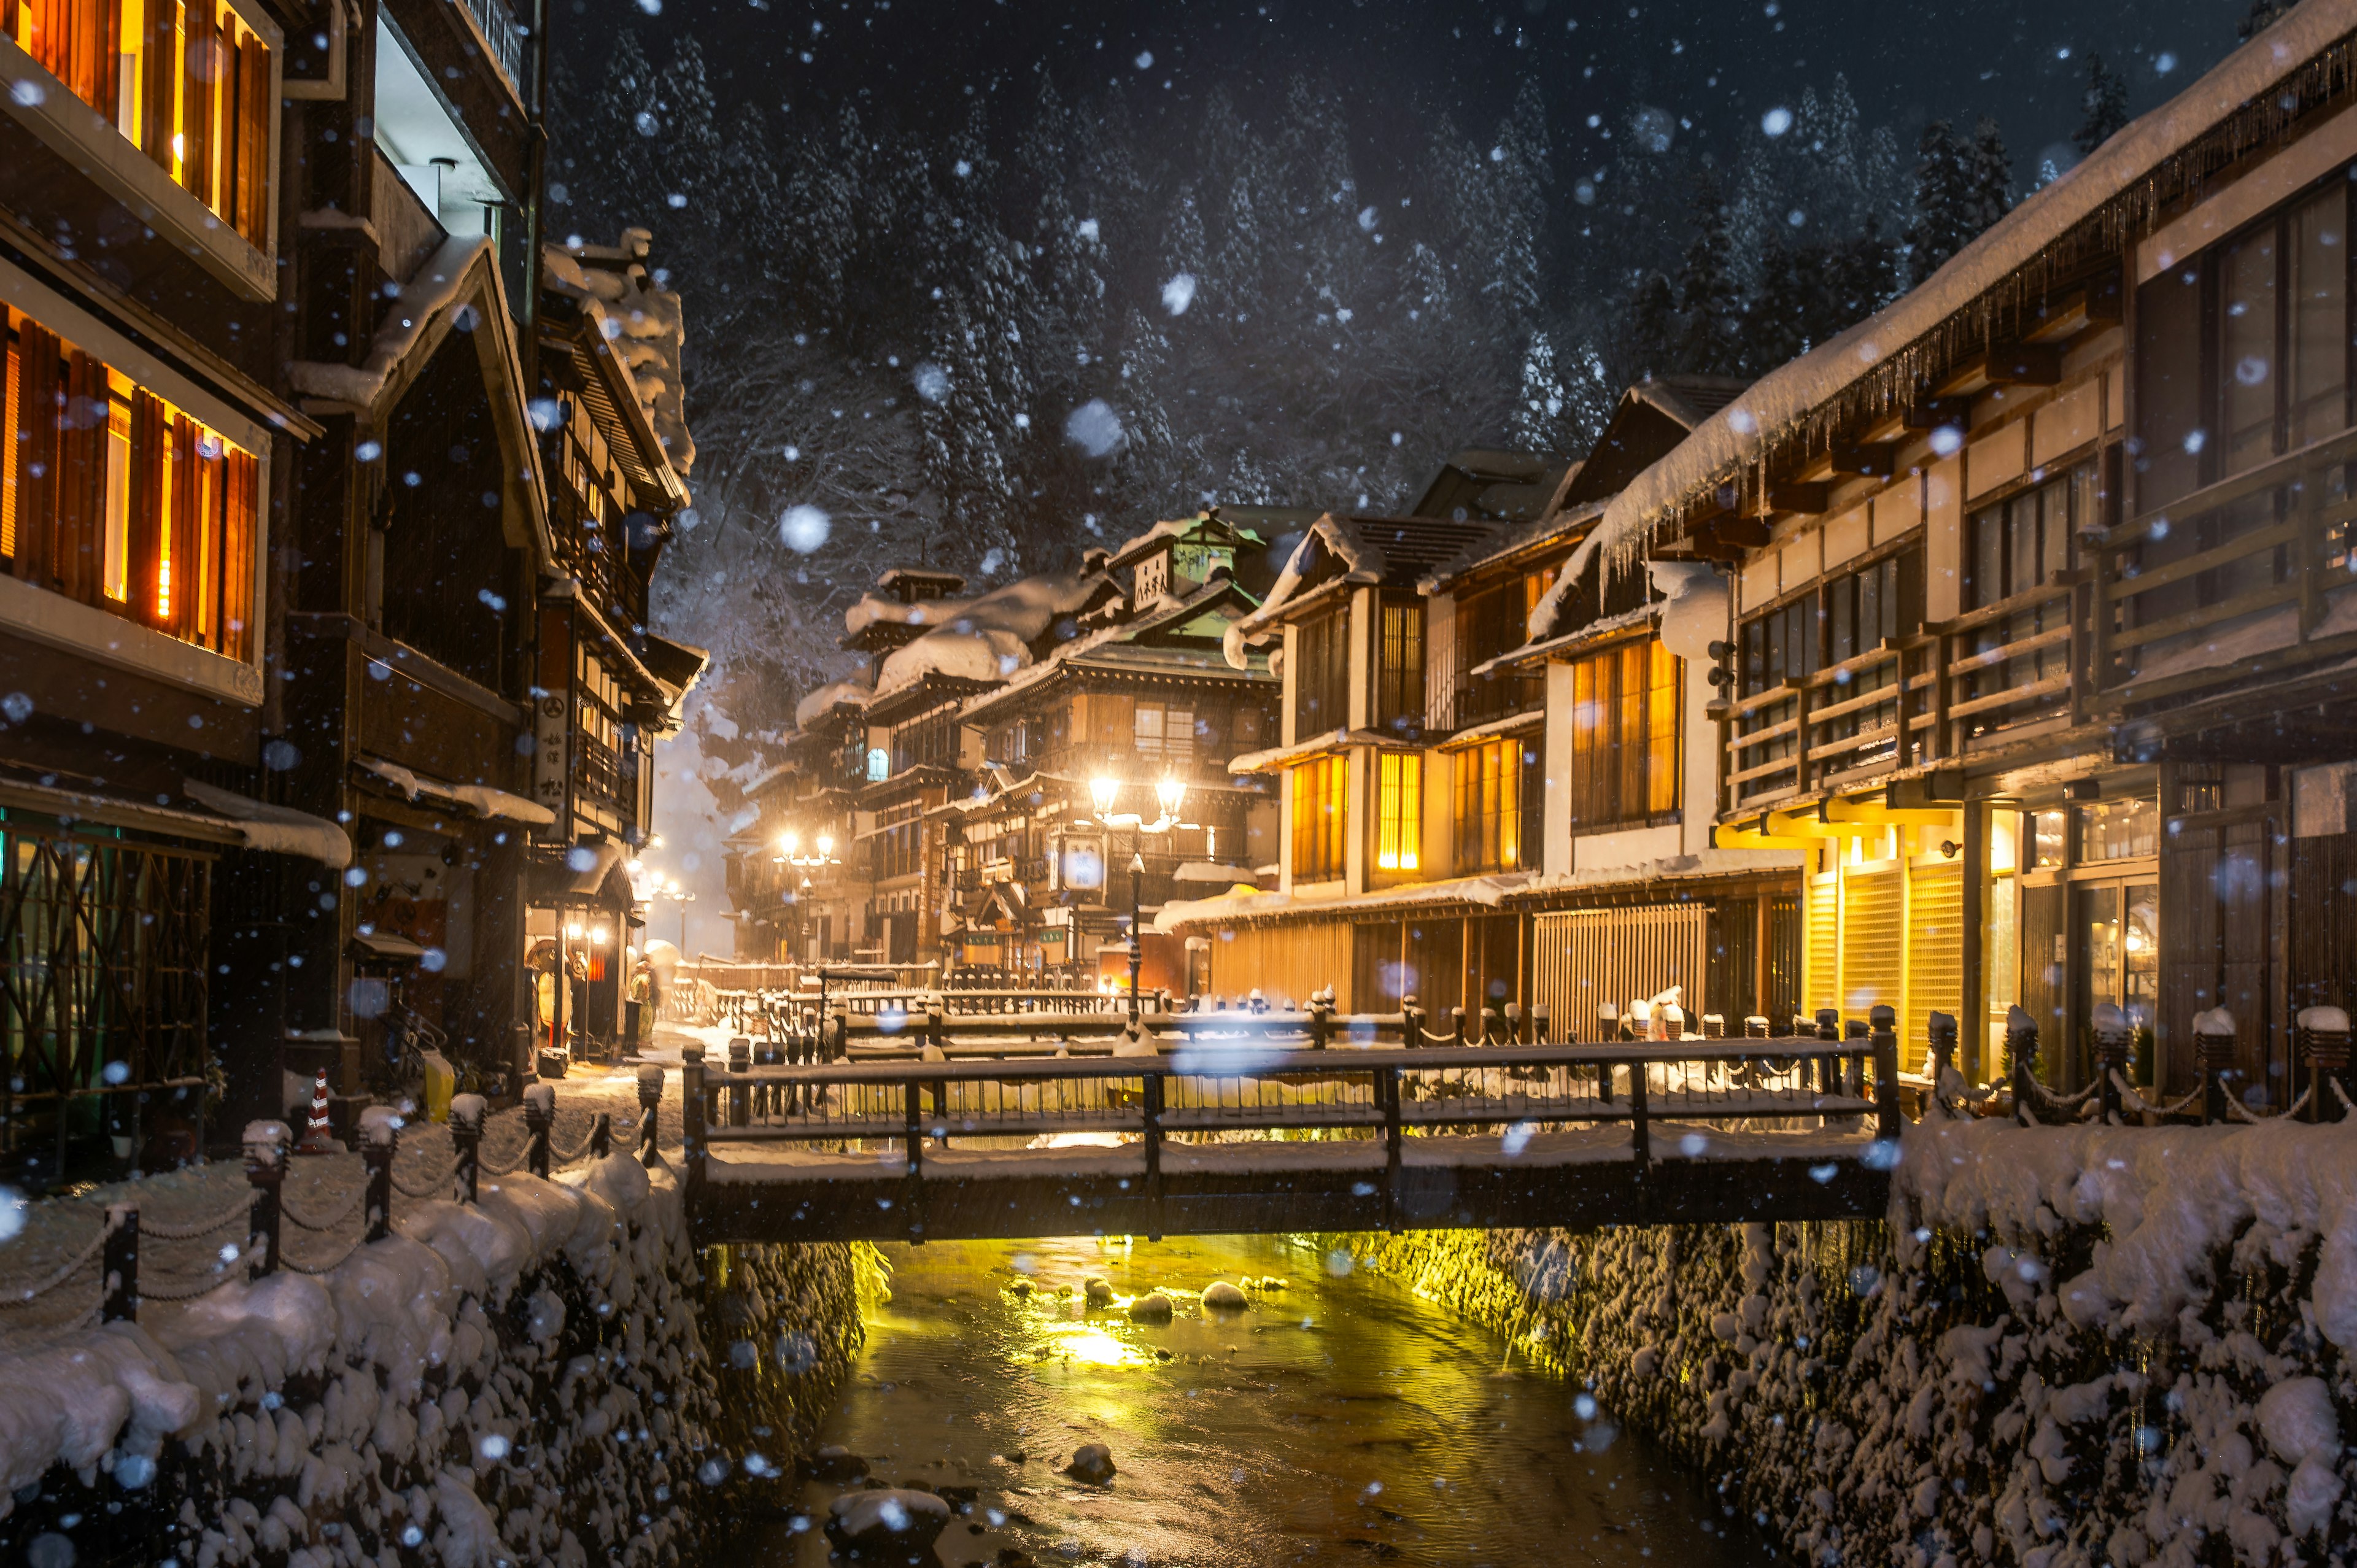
{"points": [[1148, 644], [1484, 485], [1210, 526], [1390, 551], [1512, 546], [1650, 418]]}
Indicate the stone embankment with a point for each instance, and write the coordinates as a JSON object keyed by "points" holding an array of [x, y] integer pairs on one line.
{"points": [[2065, 1347]]}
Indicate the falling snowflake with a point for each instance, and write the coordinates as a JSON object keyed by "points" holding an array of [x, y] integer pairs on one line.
{"points": [[1178, 294], [1777, 120], [1095, 428], [1144, 61], [804, 527], [932, 382]]}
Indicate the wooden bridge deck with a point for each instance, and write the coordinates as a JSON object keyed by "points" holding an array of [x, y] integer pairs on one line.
{"points": [[1218, 1139]]}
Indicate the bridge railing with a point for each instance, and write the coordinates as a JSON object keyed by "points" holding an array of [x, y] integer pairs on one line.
{"points": [[1201, 1090]]}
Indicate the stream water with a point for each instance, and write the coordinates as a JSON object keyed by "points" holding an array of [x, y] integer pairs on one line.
{"points": [[1337, 1419]]}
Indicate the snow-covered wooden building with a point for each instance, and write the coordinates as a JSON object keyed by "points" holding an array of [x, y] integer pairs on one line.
{"points": [[2043, 615]]}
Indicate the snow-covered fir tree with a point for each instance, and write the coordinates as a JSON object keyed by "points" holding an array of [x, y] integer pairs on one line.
{"points": [[2104, 106]]}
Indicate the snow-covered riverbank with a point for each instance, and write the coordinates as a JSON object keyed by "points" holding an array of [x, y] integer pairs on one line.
{"points": [[2065, 1347], [547, 1376]]}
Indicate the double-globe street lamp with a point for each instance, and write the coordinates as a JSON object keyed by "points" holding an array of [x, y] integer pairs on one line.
{"points": [[1104, 791], [790, 853]]}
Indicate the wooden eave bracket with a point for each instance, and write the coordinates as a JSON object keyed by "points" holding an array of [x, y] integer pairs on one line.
{"points": [[2020, 364]]}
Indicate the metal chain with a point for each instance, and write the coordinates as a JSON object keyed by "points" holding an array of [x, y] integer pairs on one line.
{"points": [[351, 1206], [64, 1272], [241, 1214], [434, 1188], [2242, 1113], [2138, 1102], [302, 1268]]}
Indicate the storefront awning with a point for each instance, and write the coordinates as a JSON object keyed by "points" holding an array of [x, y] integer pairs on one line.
{"points": [[228, 819]]}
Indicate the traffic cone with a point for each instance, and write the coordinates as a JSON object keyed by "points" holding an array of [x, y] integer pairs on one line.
{"points": [[319, 1137]]}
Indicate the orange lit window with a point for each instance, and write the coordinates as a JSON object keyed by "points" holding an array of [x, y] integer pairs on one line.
{"points": [[118, 498], [185, 81], [1321, 815], [1399, 811]]}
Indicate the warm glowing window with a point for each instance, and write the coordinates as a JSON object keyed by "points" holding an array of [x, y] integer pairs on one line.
{"points": [[118, 498], [1320, 814], [185, 81], [1399, 811], [1626, 743], [1498, 791]]}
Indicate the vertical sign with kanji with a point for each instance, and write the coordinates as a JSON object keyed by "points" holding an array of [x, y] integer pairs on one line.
{"points": [[552, 704]]}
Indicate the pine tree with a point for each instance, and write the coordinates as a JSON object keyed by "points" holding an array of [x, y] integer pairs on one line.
{"points": [[1652, 328], [2261, 17], [2105, 107], [1943, 199], [1991, 195], [1540, 405], [1776, 318], [1706, 295]]}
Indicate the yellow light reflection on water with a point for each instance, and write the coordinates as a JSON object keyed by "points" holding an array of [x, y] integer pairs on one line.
{"points": [[1090, 1346]]}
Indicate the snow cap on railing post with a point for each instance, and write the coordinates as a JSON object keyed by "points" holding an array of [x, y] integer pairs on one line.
{"points": [[1411, 1022], [651, 1079], [2323, 1035], [2021, 1061], [539, 1117], [2214, 1052], [266, 1170], [467, 1115], [120, 1302], [380, 1141]]}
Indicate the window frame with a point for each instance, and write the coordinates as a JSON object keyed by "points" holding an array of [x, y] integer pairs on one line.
{"points": [[1606, 767], [1399, 812], [1318, 817], [1320, 669]]}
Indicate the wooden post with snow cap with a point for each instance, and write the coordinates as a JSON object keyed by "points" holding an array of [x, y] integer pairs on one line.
{"points": [[119, 1269], [1889, 1118], [1490, 1024], [2213, 1057], [539, 1117], [2021, 1062], [2115, 1048], [1457, 1022], [1321, 1020], [2323, 1035], [265, 1172], [1540, 1020], [650, 1102], [467, 1113], [1150, 1111], [1828, 1031], [380, 1141], [1411, 1022], [1854, 1068], [691, 1112], [1514, 1035], [740, 1092], [1939, 1047], [601, 1136]]}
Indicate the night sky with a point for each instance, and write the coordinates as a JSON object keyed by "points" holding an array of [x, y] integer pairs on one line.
{"points": [[1716, 67]]}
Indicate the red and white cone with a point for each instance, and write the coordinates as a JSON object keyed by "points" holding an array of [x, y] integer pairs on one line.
{"points": [[319, 1137]]}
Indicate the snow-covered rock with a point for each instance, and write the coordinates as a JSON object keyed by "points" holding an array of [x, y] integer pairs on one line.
{"points": [[1220, 1295], [891, 1519], [1153, 1307], [1092, 1463]]}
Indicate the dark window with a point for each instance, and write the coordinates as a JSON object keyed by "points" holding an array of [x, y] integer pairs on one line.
{"points": [[1399, 669], [1322, 687]]}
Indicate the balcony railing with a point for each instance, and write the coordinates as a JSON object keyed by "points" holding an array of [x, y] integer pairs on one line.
{"points": [[1469, 699], [595, 556], [506, 39]]}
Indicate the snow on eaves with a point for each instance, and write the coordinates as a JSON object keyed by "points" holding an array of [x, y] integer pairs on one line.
{"points": [[1362, 563], [435, 288], [828, 698], [1742, 430], [989, 637], [641, 323], [1485, 891]]}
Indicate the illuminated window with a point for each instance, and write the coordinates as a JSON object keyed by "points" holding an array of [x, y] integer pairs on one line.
{"points": [[1399, 795], [1627, 742], [1498, 787], [1162, 731], [1320, 813], [119, 500], [185, 81], [1399, 678]]}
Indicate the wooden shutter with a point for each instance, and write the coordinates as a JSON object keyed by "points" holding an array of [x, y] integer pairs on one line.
{"points": [[254, 140], [240, 506], [143, 552], [81, 481], [39, 386], [201, 68], [181, 551], [1821, 959], [159, 77]]}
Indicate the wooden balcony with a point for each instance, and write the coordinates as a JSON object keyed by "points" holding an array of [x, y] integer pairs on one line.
{"points": [[2246, 580]]}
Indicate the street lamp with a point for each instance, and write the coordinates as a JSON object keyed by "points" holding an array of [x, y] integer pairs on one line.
{"points": [[680, 896], [789, 850], [1169, 794]]}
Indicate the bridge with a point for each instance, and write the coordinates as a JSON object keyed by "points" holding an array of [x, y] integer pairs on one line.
{"points": [[1219, 1123]]}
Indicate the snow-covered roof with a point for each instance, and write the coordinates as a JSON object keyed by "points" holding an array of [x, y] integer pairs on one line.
{"points": [[2112, 196], [1370, 550], [1180, 914], [989, 637], [1552, 529], [835, 695], [641, 318]]}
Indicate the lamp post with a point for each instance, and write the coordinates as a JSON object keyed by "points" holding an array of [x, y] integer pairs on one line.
{"points": [[1168, 794]]}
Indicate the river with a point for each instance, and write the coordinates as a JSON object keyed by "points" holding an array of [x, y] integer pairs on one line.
{"points": [[1337, 1419]]}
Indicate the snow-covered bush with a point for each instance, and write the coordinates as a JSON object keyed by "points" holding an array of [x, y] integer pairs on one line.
{"points": [[547, 1376]]}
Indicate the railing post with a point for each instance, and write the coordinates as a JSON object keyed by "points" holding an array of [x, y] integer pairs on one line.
{"points": [[1457, 1021], [2213, 1057], [1514, 1024], [740, 1092], [119, 1301], [380, 1141], [1541, 1022], [936, 1033], [1640, 1136], [1854, 1068], [1410, 1024], [913, 1186], [1153, 1117], [601, 1136], [1387, 1089], [2114, 1045], [1755, 1028], [838, 1025], [651, 1079], [539, 1117], [2021, 1063], [2323, 1035], [1889, 1118], [1829, 1030], [265, 1171], [690, 1113], [1320, 1022], [1490, 1024], [466, 1140]]}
